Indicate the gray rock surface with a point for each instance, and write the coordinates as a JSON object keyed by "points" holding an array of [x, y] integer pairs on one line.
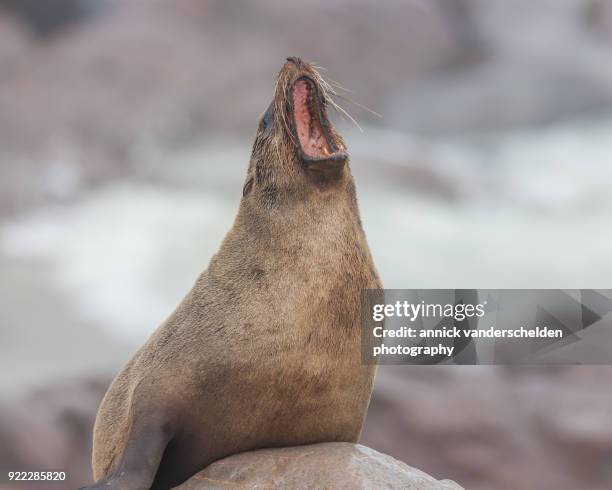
{"points": [[329, 465]]}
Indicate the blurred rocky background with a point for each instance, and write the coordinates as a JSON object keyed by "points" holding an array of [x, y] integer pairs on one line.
{"points": [[125, 129]]}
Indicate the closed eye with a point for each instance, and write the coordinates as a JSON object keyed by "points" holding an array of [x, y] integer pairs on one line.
{"points": [[266, 120]]}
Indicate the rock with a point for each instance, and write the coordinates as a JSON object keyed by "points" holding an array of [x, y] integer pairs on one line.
{"points": [[334, 465]]}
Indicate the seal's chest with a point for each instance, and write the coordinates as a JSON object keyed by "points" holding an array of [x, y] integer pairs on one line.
{"points": [[319, 375]]}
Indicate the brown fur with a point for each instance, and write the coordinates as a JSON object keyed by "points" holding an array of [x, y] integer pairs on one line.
{"points": [[264, 351]]}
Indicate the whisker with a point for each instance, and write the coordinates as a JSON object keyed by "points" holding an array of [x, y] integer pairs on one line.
{"points": [[339, 109], [328, 93], [340, 86], [329, 87], [361, 106]]}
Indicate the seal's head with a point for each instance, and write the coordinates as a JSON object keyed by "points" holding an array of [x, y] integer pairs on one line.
{"points": [[296, 146]]}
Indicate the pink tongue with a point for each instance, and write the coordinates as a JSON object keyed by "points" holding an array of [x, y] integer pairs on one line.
{"points": [[309, 129]]}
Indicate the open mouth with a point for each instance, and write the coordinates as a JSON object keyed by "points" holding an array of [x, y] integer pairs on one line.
{"points": [[311, 122]]}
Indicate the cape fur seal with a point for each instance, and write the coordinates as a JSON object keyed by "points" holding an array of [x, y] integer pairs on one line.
{"points": [[264, 351]]}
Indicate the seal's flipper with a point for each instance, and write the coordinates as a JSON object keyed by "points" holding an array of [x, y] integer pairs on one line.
{"points": [[140, 460]]}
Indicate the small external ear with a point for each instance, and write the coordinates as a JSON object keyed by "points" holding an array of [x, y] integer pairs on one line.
{"points": [[247, 187]]}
